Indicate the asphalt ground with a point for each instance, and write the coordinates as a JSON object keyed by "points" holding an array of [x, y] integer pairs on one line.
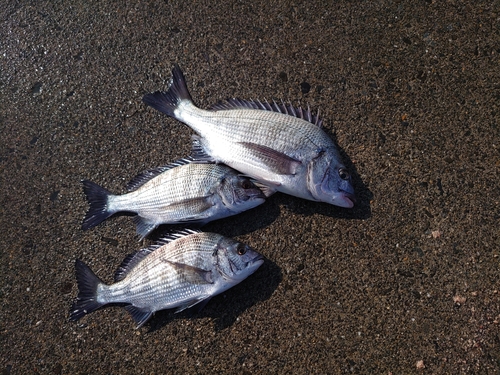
{"points": [[405, 282]]}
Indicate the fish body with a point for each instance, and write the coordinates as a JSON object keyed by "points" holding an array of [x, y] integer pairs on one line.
{"points": [[187, 268], [181, 192], [280, 146]]}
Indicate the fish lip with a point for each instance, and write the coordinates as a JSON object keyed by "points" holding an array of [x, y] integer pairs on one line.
{"points": [[253, 195], [346, 200], [257, 194], [250, 268], [255, 263]]}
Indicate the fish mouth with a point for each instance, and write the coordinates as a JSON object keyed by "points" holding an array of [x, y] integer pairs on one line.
{"points": [[255, 263], [250, 194], [346, 200], [250, 268], [257, 194]]}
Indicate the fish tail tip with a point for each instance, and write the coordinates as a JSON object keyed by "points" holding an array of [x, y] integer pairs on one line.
{"points": [[86, 301], [167, 102], [97, 198]]}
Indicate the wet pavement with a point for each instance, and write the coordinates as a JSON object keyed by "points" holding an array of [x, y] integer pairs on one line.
{"points": [[405, 282]]}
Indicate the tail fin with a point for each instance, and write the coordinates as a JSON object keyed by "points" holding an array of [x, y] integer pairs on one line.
{"points": [[86, 302], [167, 102], [97, 197]]}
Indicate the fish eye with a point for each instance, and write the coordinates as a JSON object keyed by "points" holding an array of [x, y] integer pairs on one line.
{"points": [[343, 174], [242, 249], [246, 184]]}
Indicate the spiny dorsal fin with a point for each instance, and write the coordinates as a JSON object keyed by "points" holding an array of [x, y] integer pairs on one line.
{"points": [[131, 261], [285, 108], [172, 236], [148, 175]]}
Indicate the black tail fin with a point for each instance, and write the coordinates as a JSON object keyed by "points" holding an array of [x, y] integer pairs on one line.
{"points": [[97, 197], [86, 302], [167, 102]]}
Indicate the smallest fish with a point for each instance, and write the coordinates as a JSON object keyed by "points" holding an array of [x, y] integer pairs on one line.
{"points": [[184, 269], [179, 193]]}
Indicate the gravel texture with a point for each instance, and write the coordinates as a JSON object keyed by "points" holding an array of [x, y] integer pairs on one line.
{"points": [[406, 282]]}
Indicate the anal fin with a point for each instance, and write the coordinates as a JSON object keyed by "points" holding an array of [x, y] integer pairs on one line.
{"points": [[143, 228], [201, 302], [140, 316]]}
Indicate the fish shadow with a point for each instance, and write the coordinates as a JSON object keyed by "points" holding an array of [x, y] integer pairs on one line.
{"points": [[225, 308], [247, 222]]}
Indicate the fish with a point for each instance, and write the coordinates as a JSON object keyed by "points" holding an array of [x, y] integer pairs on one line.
{"points": [[183, 192], [184, 269], [279, 145]]}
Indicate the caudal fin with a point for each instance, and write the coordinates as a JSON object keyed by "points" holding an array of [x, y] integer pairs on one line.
{"points": [[167, 102], [86, 301], [97, 197]]}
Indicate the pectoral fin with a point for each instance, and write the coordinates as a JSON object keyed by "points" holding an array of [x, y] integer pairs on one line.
{"points": [[192, 274], [198, 208], [276, 161]]}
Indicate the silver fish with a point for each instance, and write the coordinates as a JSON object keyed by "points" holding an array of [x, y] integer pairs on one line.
{"points": [[279, 145], [184, 269], [179, 193]]}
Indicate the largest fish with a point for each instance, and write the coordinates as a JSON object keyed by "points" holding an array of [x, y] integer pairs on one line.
{"points": [[279, 145]]}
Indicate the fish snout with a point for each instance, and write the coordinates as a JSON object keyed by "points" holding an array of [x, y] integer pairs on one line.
{"points": [[345, 199]]}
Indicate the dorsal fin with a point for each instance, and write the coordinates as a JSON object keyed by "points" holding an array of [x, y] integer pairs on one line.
{"points": [[285, 108], [131, 261], [145, 176], [172, 236]]}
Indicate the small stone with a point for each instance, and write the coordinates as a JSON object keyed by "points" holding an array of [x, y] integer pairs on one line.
{"points": [[459, 300], [305, 87], [436, 233]]}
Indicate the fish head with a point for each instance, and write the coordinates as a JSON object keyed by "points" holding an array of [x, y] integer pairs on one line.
{"points": [[235, 260], [329, 181], [239, 193]]}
